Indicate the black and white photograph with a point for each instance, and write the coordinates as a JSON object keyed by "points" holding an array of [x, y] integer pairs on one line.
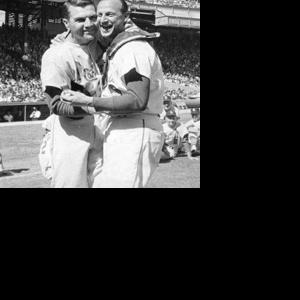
{"points": [[99, 94]]}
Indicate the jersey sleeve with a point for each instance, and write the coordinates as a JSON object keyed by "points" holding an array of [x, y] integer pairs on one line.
{"points": [[55, 79], [138, 56], [53, 71]]}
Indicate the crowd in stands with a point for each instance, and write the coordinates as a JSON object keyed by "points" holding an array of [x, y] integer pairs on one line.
{"points": [[173, 94], [179, 3], [180, 57], [179, 53], [20, 73]]}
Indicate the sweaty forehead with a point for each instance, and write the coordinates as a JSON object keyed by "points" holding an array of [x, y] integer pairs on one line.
{"points": [[109, 5]]}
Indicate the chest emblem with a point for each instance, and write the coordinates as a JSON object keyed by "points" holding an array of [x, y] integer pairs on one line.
{"points": [[89, 74]]}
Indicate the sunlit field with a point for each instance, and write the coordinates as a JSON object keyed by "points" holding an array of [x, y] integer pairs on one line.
{"points": [[19, 146]]}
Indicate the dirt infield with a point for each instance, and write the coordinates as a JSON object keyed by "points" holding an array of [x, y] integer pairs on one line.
{"points": [[19, 146]]}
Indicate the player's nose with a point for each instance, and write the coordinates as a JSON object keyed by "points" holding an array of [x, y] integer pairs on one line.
{"points": [[88, 22], [103, 20]]}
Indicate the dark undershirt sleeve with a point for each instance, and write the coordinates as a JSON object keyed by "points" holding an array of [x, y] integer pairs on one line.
{"points": [[58, 107], [134, 100]]}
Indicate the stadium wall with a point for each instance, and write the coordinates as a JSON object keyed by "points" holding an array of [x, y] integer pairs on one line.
{"points": [[22, 111]]}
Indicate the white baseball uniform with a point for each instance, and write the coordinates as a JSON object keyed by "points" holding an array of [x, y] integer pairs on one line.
{"points": [[172, 108], [76, 155], [194, 133], [174, 138], [133, 142]]}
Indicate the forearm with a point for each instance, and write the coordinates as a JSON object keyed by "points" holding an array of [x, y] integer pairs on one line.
{"points": [[60, 108], [134, 100], [126, 103]]}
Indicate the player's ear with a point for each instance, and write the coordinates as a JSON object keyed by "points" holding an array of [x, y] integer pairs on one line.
{"points": [[66, 23]]}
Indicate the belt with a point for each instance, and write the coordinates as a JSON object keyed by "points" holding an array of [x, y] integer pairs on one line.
{"points": [[74, 118], [135, 116]]}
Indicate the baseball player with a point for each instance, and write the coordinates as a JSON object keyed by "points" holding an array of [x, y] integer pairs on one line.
{"points": [[172, 137], [132, 96], [76, 150], [168, 106], [175, 138], [46, 148], [193, 126]]}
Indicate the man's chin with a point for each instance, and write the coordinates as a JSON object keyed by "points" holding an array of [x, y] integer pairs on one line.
{"points": [[89, 37], [106, 34]]}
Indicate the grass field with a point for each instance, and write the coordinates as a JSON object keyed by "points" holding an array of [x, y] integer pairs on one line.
{"points": [[19, 146]]}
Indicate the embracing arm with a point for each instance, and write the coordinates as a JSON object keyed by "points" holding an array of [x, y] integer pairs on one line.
{"points": [[134, 100], [55, 78]]}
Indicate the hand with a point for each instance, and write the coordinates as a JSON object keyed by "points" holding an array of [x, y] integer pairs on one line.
{"points": [[76, 98]]}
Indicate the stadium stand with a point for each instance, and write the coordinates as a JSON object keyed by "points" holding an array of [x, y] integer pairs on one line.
{"points": [[180, 56], [19, 74], [179, 3], [179, 51]]}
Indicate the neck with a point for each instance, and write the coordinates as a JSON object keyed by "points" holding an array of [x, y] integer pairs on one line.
{"points": [[105, 42]]}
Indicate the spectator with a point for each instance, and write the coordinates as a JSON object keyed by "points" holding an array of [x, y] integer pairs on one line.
{"points": [[19, 71], [8, 117], [35, 115], [179, 3], [181, 61]]}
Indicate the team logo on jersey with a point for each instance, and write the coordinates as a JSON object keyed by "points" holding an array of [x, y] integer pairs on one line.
{"points": [[89, 74]]}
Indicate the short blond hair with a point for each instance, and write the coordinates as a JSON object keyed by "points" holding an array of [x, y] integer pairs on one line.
{"points": [[81, 3]]}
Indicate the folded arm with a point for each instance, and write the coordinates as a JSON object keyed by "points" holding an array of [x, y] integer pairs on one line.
{"points": [[58, 107]]}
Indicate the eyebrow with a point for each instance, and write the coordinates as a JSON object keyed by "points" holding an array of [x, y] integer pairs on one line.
{"points": [[106, 12], [83, 18]]}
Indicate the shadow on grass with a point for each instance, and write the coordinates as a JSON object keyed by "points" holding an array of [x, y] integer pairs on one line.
{"points": [[183, 154], [7, 173], [165, 161]]}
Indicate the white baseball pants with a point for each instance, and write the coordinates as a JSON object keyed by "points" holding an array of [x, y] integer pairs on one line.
{"points": [[131, 152]]}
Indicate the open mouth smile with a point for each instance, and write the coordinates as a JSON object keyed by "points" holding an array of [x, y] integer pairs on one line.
{"points": [[106, 27]]}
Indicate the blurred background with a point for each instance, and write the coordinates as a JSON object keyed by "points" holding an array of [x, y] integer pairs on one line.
{"points": [[27, 27]]}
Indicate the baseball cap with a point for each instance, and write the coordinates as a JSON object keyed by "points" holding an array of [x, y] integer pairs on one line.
{"points": [[171, 114], [195, 111], [167, 99]]}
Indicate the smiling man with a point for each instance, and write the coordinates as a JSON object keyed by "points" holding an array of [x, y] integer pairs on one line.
{"points": [[112, 18], [133, 97], [76, 149]]}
